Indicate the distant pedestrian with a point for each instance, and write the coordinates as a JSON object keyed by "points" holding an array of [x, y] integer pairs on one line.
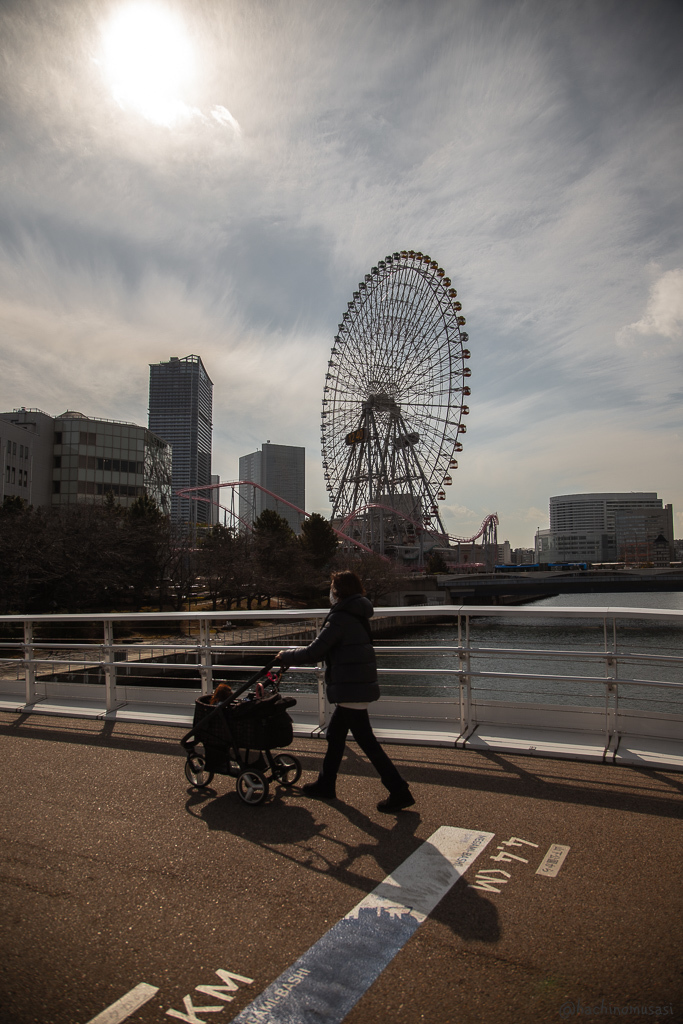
{"points": [[345, 645]]}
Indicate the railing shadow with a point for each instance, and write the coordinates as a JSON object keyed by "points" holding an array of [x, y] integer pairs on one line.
{"points": [[617, 787]]}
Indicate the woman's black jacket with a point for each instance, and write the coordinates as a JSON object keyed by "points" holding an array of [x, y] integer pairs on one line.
{"points": [[344, 644]]}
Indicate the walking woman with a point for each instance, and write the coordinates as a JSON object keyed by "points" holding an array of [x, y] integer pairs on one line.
{"points": [[345, 645]]}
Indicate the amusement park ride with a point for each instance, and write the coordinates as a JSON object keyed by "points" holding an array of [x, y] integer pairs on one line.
{"points": [[393, 410]]}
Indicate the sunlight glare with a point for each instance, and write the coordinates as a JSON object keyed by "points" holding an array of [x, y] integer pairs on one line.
{"points": [[147, 60]]}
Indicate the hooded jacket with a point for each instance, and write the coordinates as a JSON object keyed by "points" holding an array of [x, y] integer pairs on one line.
{"points": [[344, 644]]}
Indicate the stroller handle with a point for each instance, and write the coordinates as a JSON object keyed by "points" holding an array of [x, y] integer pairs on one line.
{"points": [[252, 679]]}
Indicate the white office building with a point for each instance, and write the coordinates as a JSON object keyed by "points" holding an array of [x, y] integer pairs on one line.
{"points": [[607, 527], [72, 459], [280, 469]]}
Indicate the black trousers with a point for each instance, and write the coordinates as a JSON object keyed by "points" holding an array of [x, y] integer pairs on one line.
{"points": [[357, 721]]}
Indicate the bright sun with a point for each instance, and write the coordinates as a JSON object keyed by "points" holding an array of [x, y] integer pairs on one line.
{"points": [[147, 60]]}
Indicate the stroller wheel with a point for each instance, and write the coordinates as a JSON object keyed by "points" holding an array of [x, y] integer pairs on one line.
{"points": [[196, 772], [252, 787], [287, 769]]}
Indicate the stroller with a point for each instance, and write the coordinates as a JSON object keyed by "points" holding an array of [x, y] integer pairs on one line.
{"points": [[238, 736]]}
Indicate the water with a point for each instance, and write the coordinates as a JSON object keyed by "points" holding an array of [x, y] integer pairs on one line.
{"points": [[494, 633]]}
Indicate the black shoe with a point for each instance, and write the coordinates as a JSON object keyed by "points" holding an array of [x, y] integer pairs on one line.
{"points": [[396, 802], [319, 791]]}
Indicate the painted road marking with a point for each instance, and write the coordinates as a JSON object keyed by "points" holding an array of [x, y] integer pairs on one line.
{"points": [[328, 980], [126, 1005], [553, 861], [485, 878], [216, 991]]}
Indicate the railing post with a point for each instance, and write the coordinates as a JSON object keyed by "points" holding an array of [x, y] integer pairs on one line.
{"points": [[29, 664], [611, 688], [109, 666], [461, 679], [205, 662], [323, 706], [466, 667]]}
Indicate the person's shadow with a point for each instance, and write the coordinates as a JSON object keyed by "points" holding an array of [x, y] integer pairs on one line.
{"points": [[293, 830]]}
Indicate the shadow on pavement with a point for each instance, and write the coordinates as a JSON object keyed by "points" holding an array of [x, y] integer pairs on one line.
{"points": [[292, 831]]}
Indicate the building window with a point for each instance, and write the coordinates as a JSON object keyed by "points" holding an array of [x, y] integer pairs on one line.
{"points": [[56, 486], [57, 461], [7, 475], [14, 474], [58, 437]]}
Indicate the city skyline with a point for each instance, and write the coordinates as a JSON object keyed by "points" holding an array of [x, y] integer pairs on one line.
{"points": [[533, 149]]}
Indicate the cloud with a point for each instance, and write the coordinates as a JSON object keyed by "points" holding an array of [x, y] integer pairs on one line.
{"points": [[664, 312]]}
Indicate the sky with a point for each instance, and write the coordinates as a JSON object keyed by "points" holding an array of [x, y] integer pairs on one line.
{"points": [[216, 176]]}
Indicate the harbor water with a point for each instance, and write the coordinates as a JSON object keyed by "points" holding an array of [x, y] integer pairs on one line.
{"points": [[492, 635]]}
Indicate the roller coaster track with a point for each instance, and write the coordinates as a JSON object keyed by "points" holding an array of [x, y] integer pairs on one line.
{"points": [[487, 530], [205, 489], [488, 526]]}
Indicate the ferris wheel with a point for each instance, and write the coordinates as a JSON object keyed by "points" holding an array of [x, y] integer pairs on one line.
{"points": [[394, 400]]}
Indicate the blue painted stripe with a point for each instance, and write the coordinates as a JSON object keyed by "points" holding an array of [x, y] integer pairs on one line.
{"points": [[328, 980]]}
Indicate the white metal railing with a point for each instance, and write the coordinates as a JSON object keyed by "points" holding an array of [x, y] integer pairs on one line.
{"points": [[458, 691]]}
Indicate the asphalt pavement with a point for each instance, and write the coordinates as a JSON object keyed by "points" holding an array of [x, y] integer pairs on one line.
{"points": [[116, 873]]}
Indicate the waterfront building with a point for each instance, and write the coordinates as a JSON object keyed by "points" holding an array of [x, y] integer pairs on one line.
{"points": [[605, 527], [180, 412], [280, 468], [523, 556], [503, 553], [73, 458]]}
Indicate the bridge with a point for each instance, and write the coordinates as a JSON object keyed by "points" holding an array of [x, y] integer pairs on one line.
{"points": [[518, 587], [535, 878]]}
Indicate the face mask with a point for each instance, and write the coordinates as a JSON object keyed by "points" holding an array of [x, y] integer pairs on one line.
{"points": [[333, 597]]}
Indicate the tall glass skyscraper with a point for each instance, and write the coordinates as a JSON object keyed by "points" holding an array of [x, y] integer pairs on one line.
{"points": [[180, 412]]}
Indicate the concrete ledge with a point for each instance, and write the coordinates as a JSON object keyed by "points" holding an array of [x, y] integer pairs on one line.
{"points": [[632, 750], [541, 743], [12, 701], [648, 752], [66, 708], [155, 714], [417, 737]]}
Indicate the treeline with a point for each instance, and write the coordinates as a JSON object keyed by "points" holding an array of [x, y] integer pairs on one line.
{"points": [[81, 558]]}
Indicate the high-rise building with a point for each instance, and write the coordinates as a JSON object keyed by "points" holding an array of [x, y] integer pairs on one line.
{"points": [[180, 411], [72, 459], [279, 468], [606, 527]]}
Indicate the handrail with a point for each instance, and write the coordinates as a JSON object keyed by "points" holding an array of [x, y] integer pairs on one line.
{"points": [[484, 693], [412, 611]]}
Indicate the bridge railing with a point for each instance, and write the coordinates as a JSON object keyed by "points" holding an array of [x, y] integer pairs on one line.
{"points": [[599, 684]]}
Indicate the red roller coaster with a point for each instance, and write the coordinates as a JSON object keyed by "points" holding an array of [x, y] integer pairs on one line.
{"points": [[346, 532]]}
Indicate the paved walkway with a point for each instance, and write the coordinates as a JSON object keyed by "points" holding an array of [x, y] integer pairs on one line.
{"points": [[115, 873]]}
